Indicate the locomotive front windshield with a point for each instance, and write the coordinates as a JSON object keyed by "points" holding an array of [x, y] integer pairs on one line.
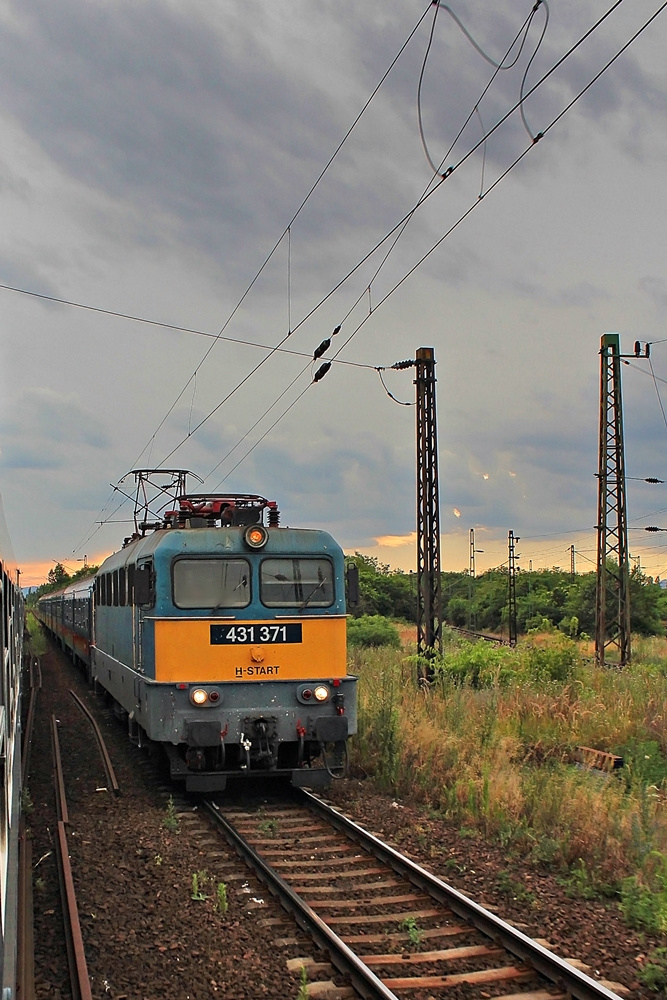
{"points": [[300, 583], [211, 583]]}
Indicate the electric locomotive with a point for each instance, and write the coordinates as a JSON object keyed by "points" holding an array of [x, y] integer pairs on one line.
{"points": [[223, 639]]}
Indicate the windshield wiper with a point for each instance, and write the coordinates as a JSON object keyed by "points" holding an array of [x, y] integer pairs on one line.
{"points": [[311, 595], [241, 585]]}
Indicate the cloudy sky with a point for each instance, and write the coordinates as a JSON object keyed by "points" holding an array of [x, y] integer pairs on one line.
{"points": [[154, 154]]}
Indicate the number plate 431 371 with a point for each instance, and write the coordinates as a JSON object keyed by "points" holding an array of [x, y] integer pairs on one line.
{"points": [[239, 635]]}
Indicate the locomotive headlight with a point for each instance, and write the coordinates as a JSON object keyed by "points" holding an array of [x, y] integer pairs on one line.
{"points": [[256, 536], [199, 696], [321, 692]]}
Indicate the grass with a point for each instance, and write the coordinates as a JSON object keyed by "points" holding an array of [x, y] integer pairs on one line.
{"points": [[412, 929], [654, 974], [491, 748], [199, 880], [36, 644], [221, 904], [303, 993], [170, 820]]}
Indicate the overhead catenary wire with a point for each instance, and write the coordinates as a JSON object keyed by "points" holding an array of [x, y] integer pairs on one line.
{"points": [[390, 394], [269, 256], [498, 66], [657, 391], [448, 173], [169, 326], [450, 170], [498, 180], [379, 244], [520, 157], [287, 230], [400, 228]]}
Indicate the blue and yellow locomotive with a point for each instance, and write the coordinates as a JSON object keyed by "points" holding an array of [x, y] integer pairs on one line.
{"points": [[222, 639]]}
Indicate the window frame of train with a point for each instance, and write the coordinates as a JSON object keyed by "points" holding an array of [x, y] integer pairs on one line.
{"points": [[222, 599], [144, 584], [299, 599]]}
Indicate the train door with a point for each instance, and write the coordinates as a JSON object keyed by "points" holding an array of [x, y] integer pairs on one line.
{"points": [[143, 600]]}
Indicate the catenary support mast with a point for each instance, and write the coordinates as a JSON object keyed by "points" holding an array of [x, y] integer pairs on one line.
{"points": [[512, 539], [612, 604], [429, 596]]}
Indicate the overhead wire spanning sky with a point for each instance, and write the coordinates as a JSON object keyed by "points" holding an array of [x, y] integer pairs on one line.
{"points": [[153, 157]]}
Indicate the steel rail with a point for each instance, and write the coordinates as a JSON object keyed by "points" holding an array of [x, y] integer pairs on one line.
{"points": [[25, 948], [106, 759], [365, 982], [76, 956], [35, 685], [499, 641], [61, 798], [577, 984]]}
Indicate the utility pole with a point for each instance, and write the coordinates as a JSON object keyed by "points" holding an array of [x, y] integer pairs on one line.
{"points": [[511, 574], [612, 599], [572, 567], [471, 576], [429, 595]]}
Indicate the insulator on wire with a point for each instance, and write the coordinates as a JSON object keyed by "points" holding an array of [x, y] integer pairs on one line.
{"points": [[400, 365], [324, 346], [321, 371], [337, 330], [652, 479], [652, 527]]}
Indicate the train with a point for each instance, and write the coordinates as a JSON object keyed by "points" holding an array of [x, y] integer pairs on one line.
{"points": [[11, 641], [220, 635]]}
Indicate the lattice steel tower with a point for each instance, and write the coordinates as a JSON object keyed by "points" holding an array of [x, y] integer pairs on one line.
{"points": [[429, 595], [612, 604], [512, 539]]}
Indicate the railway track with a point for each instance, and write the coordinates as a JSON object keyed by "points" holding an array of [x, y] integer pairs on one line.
{"points": [[390, 928], [498, 640]]}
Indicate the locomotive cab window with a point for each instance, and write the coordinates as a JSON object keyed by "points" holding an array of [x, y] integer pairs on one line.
{"points": [[211, 584], [300, 583]]}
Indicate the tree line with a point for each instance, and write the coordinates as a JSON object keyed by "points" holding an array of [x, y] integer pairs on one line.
{"points": [[57, 578], [481, 603]]}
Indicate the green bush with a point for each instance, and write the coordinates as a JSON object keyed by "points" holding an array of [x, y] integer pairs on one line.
{"points": [[372, 630], [644, 898], [644, 762], [477, 664], [553, 658], [654, 973]]}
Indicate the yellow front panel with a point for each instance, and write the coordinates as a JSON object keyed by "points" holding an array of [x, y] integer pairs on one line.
{"points": [[184, 651]]}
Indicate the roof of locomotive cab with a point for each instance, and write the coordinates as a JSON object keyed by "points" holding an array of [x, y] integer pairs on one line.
{"points": [[172, 542]]}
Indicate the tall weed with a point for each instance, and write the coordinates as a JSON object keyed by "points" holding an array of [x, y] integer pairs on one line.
{"points": [[491, 745]]}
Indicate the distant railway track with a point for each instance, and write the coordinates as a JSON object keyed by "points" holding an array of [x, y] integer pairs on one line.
{"points": [[390, 928], [76, 956], [479, 635]]}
